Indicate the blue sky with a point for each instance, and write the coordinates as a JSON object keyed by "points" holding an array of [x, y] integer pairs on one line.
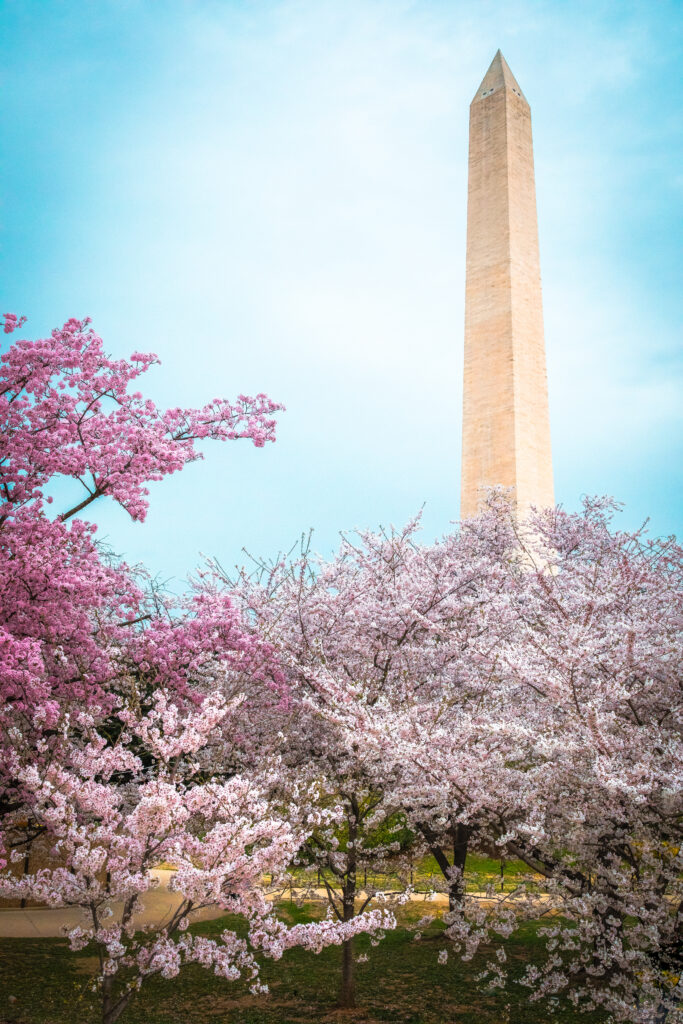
{"points": [[272, 196]]}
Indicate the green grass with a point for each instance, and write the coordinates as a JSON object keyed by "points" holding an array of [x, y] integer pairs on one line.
{"points": [[483, 871], [480, 872], [401, 982]]}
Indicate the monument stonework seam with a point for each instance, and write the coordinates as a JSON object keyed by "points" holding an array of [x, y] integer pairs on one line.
{"points": [[506, 425]]}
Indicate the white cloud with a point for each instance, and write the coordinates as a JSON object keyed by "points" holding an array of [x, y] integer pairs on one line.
{"points": [[280, 205]]}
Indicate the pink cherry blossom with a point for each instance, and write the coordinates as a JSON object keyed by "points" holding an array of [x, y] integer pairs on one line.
{"points": [[130, 725], [514, 687]]}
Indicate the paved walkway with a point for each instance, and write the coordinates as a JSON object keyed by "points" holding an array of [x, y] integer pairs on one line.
{"points": [[157, 907], [47, 922]]}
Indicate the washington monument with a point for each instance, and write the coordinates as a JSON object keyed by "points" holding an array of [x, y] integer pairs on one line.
{"points": [[506, 428]]}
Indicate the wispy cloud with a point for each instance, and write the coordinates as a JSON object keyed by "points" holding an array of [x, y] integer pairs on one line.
{"points": [[273, 196]]}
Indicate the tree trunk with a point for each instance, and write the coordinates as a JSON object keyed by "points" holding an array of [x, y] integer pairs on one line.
{"points": [[27, 863], [460, 835], [456, 889], [347, 992], [113, 1006]]}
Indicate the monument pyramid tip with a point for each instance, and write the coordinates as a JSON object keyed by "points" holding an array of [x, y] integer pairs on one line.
{"points": [[497, 77]]}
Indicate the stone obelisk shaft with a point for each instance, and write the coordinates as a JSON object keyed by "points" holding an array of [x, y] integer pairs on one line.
{"points": [[506, 428]]}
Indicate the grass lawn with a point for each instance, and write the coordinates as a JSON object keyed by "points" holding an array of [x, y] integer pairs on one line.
{"points": [[480, 872], [401, 982]]}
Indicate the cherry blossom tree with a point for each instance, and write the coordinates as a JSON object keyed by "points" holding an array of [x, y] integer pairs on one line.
{"points": [[125, 721], [386, 630], [115, 808], [66, 412], [596, 666], [566, 753]]}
